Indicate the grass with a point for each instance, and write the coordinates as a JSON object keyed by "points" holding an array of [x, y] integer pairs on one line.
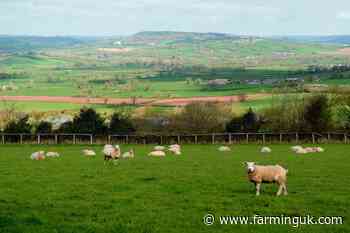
{"points": [[172, 194]]}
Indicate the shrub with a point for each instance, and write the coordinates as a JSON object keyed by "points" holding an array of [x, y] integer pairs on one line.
{"points": [[318, 114], [44, 127], [120, 124], [18, 126], [89, 121]]}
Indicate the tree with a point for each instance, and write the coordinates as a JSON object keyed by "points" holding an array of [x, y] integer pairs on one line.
{"points": [[234, 125], [120, 124], [250, 121], [89, 121], [44, 127], [18, 126], [318, 114]]}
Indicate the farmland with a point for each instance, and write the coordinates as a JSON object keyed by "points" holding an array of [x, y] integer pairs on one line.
{"points": [[171, 194]]}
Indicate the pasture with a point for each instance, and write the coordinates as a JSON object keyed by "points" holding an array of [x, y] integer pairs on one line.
{"points": [[172, 194]]}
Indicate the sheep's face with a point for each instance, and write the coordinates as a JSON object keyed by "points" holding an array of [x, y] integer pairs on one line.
{"points": [[250, 167]]}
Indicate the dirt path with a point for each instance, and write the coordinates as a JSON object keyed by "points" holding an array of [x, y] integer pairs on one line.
{"points": [[138, 101]]}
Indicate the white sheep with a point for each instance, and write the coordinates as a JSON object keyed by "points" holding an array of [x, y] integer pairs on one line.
{"points": [[267, 174], [160, 148], [157, 153], [296, 148], [175, 149], [39, 155], [129, 154], [301, 151], [89, 153], [52, 154], [266, 149], [224, 149], [111, 152]]}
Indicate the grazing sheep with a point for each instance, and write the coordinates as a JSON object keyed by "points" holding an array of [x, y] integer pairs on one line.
{"points": [[52, 154], [157, 153], [159, 148], [39, 155], [267, 174], [301, 150], [296, 148], [111, 152], [266, 150], [224, 149], [129, 154], [175, 149], [89, 153]]}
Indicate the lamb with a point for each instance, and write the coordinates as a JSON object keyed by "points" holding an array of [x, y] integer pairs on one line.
{"points": [[159, 148], [267, 174], [266, 150], [111, 152], [129, 154], [52, 154], [175, 149], [157, 153], [39, 155], [89, 153], [301, 150], [224, 149]]}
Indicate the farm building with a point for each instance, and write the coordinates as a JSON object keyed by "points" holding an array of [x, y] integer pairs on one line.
{"points": [[219, 82]]}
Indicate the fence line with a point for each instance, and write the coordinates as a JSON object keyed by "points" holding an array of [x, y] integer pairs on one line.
{"points": [[218, 138]]}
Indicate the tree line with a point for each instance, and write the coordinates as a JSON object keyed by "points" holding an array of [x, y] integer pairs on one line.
{"points": [[291, 113]]}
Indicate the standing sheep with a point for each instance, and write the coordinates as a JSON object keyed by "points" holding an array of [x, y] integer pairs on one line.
{"points": [[267, 174], [110, 152]]}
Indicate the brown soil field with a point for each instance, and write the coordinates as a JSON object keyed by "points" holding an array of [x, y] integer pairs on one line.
{"points": [[138, 101]]}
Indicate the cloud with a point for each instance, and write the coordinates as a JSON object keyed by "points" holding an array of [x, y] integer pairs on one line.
{"points": [[343, 15]]}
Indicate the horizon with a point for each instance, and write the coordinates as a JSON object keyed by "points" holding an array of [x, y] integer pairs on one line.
{"points": [[110, 18]]}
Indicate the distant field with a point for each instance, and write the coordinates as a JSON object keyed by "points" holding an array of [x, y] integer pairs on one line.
{"points": [[172, 194]]}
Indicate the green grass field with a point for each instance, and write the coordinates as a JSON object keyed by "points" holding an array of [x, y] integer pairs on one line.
{"points": [[172, 194]]}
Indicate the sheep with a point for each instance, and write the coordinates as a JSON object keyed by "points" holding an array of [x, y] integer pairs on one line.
{"points": [[224, 149], [159, 148], [89, 153], [265, 150], [267, 174], [39, 155], [52, 154], [111, 152], [301, 151], [175, 149], [319, 149], [129, 154], [296, 148], [157, 153]]}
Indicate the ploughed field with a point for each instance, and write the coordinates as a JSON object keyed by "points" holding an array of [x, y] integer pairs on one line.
{"points": [[74, 193]]}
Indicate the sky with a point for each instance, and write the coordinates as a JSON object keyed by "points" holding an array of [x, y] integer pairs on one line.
{"points": [[117, 17]]}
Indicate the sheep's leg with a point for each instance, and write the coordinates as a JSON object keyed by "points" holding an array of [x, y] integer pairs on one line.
{"points": [[285, 189], [280, 188], [257, 186]]}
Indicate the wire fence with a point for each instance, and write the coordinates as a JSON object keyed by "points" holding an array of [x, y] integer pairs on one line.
{"points": [[223, 138]]}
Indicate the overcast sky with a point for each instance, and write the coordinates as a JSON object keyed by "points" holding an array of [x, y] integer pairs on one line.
{"points": [[116, 17]]}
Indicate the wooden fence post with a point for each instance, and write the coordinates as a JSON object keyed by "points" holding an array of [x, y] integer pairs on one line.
{"points": [[38, 139], [263, 138], [178, 139], [56, 139], [3, 139], [345, 138], [296, 137], [74, 139], [161, 140], [21, 138], [313, 138], [229, 138], [195, 139], [213, 139], [329, 137], [247, 137], [281, 139], [91, 139]]}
